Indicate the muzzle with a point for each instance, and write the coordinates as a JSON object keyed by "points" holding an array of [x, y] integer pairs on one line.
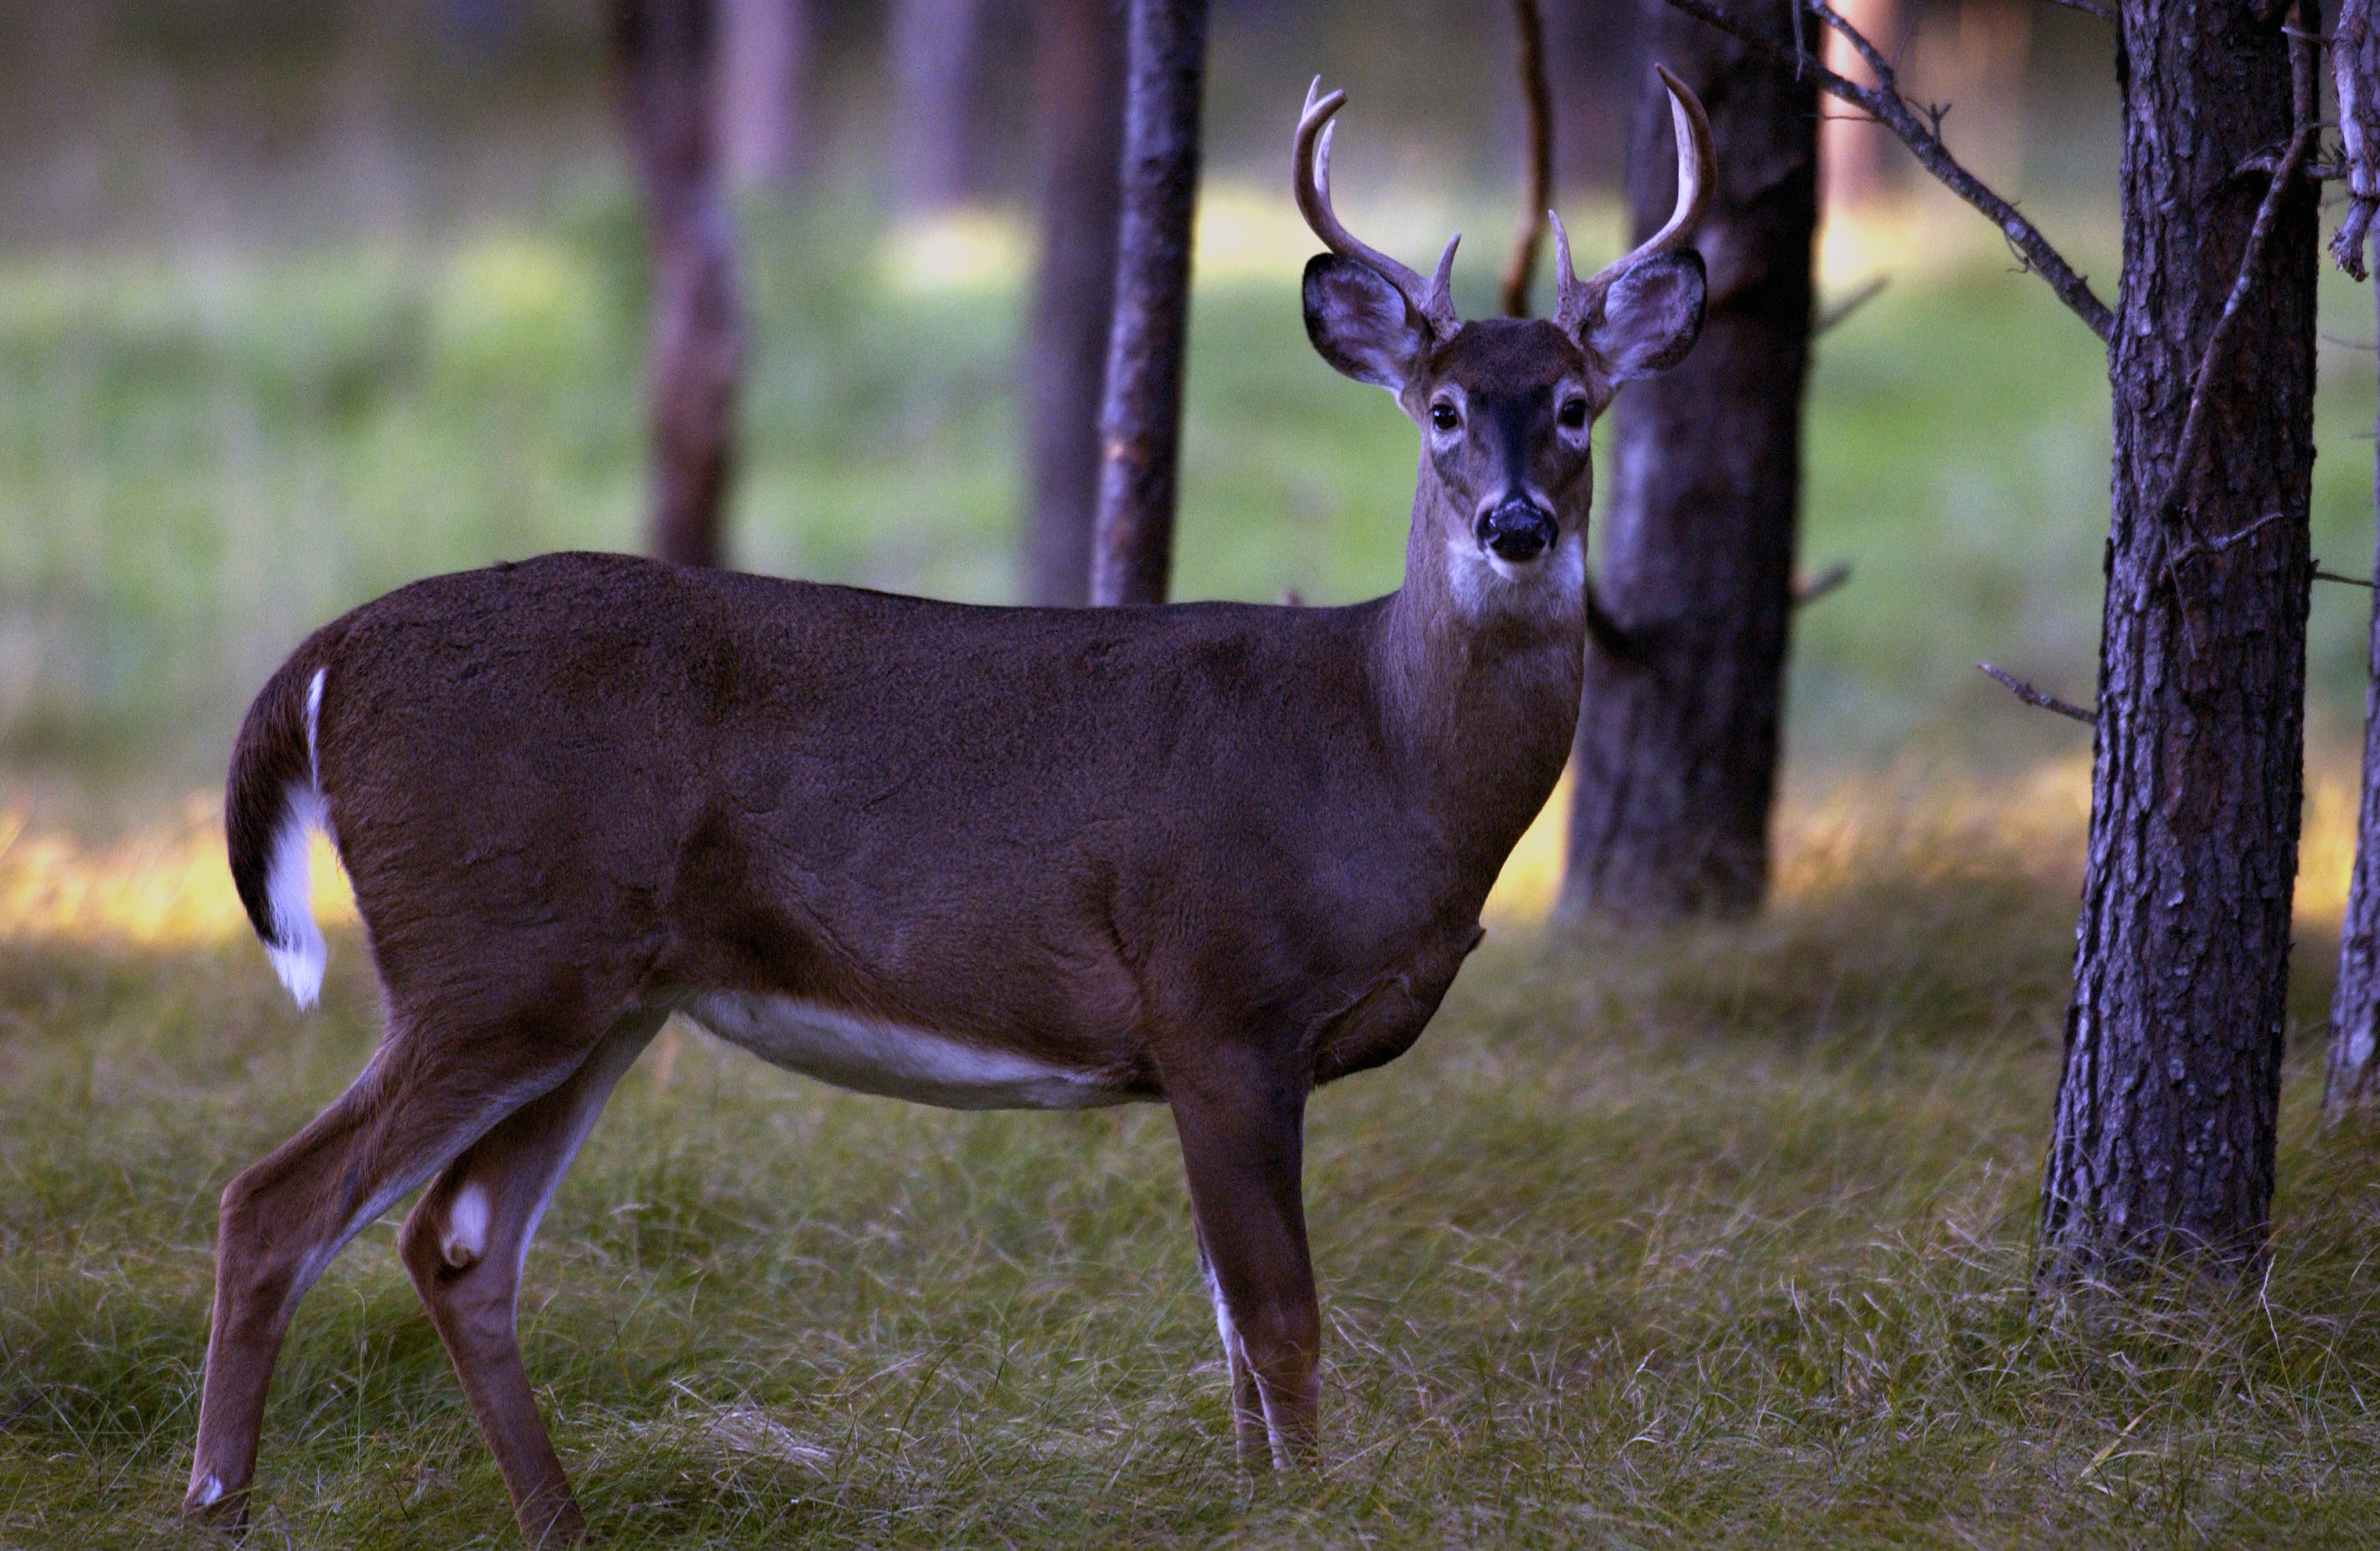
{"points": [[1516, 531]]}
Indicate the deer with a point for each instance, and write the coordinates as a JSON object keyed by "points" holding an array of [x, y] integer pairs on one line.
{"points": [[1205, 854]]}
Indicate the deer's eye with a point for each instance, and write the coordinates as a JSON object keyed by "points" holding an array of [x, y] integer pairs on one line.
{"points": [[1573, 414], [1443, 416]]}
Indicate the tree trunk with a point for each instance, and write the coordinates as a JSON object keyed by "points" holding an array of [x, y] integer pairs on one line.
{"points": [[1675, 765], [2352, 1081], [662, 54], [1593, 54], [1079, 99], [938, 48], [2164, 1135], [764, 93], [1140, 424]]}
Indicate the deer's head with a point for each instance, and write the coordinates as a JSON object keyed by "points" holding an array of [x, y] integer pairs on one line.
{"points": [[1504, 405]]}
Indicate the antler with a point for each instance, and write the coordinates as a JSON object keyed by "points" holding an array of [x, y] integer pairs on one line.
{"points": [[1311, 176], [1696, 173]]}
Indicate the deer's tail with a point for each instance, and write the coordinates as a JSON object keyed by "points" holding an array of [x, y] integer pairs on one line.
{"points": [[271, 804]]}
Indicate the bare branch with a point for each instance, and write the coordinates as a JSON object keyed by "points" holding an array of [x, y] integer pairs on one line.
{"points": [[2322, 576], [1879, 66], [2033, 696], [1522, 265], [1833, 316], [2284, 176], [1884, 103], [2197, 546], [1808, 591]]}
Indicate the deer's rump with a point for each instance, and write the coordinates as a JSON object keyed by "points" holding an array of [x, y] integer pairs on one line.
{"points": [[976, 856]]}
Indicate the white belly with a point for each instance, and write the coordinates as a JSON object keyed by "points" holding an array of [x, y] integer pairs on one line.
{"points": [[868, 1055]]}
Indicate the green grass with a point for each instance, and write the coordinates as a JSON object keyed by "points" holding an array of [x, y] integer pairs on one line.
{"points": [[1719, 1239]]}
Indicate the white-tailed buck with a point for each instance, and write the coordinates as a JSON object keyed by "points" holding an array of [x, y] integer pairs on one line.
{"points": [[1208, 854]]}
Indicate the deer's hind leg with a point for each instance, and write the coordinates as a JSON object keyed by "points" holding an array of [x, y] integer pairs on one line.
{"points": [[464, 1245], [419, 1102]]}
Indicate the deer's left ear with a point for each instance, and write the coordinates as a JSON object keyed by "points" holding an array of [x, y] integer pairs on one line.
{"points": [[1650, 317]]}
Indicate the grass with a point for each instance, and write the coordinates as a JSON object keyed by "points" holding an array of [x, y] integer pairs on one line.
{"points": [[1719, 1238]]}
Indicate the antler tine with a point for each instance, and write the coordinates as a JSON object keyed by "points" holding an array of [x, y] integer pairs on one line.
{"points": [[1698, 173], [1311, 176]]}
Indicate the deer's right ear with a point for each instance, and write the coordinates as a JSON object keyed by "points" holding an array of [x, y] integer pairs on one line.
{"points": [[1361, 322]]}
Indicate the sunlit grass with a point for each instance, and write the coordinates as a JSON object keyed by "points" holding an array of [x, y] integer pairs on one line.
{"points": [[166, 885]]}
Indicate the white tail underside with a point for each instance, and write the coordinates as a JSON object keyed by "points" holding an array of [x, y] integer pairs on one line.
{"points": [[298, 953]]}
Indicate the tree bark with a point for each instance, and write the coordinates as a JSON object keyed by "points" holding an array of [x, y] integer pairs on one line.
{"points": [[1079, 76], [1537, 136], [1675, 764], [938, 48], [1140, 423], [663, 66], [1593, 51], [764, 93], [2164, 1137], [2352, 1084], [2351, 1078]]}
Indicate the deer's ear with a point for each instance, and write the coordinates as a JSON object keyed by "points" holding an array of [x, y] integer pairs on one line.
{"points": [[1361, 323], [1650, 317]]}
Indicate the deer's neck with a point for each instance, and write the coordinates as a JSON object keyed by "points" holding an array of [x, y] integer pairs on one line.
{"points": [[1479, 674]]}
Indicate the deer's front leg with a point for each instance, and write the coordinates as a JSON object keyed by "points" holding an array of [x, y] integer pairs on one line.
{"points": [[1241, 1123], [1248, 1433]]}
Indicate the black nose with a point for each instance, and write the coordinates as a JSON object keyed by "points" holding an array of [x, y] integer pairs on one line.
{"points": [[1516, 531]]}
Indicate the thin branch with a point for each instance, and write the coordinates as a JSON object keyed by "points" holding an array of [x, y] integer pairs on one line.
{"points": [[2322, 576], [1833, 316], [1878, 65], [1807, 593], [2284, 176], [1522, 265], [1885, 103], [2197, 546], [2033, 696], [2105, 13]]}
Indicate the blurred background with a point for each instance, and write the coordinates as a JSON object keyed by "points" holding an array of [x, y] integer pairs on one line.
{"points": [[301, 302]]}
